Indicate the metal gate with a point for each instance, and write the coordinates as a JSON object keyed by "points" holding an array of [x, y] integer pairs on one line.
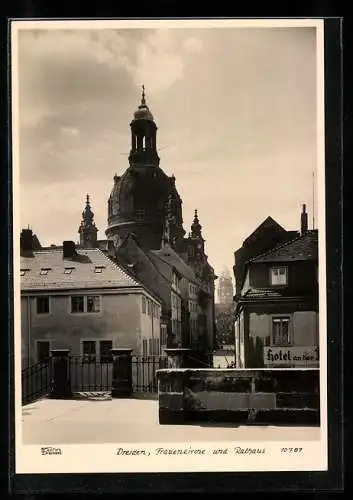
{"points": [[144, 369], [90, 374], [36, 380]]}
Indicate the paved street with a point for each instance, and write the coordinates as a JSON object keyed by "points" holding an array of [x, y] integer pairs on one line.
{"points": [[132, 420]]}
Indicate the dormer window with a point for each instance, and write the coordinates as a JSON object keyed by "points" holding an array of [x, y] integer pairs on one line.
{"points": [[44, 271], [279, 276], [68, 270], [98, 269], [23, 271]]}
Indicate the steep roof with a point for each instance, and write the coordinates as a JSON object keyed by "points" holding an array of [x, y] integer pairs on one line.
{"points": [[268, 223], [304, 247], [83, 271]]}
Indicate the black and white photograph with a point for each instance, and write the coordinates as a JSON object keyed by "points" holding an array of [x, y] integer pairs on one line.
{"points": [[169, 245]]}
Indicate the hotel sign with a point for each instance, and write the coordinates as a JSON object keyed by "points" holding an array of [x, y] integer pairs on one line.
{"points": [[287, 356]]}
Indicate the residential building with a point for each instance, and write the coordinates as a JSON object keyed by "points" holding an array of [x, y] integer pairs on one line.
{"points": [[265, 237], [81, 300], [277, 310]]}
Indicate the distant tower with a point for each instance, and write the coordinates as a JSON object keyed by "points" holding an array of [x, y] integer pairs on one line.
{"points": [[87, 230], [225, 288], [195, 241]]}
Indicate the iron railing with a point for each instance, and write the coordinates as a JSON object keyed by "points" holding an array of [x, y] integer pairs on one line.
{"points": [[90, 374], [144, 369], [36, 381]]}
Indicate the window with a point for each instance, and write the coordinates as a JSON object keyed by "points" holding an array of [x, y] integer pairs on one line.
{"points": [[99, 269], [24, 271], [68, 270], [144, 347], [280, 331], [279, 276], [89, 351], [42, 351], [149, 307], [143, 305], [82, 304], [105, 354], [42, 305], [77, 304], [93, 303], [44, 271]]}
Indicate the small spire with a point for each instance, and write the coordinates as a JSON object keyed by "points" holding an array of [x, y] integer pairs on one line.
{"points": [[87, 199], [143, 98], [196, 226]]}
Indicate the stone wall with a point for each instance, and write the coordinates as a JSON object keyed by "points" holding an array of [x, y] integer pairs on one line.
{"points": [[239, 396]]}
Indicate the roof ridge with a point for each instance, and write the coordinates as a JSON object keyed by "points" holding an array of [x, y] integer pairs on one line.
{"points": [[118, 267], [180, 259]]}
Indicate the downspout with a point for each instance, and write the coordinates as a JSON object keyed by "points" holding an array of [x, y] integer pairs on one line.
{"points": [[28, 330]]}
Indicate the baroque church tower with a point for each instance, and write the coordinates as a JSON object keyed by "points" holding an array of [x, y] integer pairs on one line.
{"points": [[88, 230], [144, 196]]}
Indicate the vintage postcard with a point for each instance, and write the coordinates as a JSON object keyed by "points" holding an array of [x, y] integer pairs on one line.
{"points": [[169, 245]]}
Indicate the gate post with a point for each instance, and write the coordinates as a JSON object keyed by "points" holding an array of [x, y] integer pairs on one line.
{"points": [[178, 357], [60, 387], [122, 373]]}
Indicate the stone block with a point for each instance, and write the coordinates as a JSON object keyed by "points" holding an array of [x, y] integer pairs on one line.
{"points": [[287, 417], [238, 417], [168, 417], [292, 400], [265, 383], [171, 401], [297, 381], [259, 401]]}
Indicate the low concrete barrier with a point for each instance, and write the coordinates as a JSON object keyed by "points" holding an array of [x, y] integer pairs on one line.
{"points": [[240, 396]]}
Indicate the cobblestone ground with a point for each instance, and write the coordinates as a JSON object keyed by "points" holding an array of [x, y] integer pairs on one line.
{"points": [[50, 422]]}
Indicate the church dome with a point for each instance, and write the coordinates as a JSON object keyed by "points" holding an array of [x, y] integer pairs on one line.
{"points": [[146, 188]]}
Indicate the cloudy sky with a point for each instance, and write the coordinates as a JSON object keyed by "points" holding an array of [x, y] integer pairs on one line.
{"points": [[236, 111]]}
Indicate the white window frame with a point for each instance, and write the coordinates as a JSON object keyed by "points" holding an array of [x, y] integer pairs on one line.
{"points": [[278, 268], [49, 305], [85, 297], [282, 318]]}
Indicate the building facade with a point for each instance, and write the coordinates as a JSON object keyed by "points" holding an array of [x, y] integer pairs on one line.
{"points": [[277, 311], [79, 299]]}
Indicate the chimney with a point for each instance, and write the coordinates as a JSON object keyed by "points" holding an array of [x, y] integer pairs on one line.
{"points": [[26, 241], [304, 221], [69, 250]]}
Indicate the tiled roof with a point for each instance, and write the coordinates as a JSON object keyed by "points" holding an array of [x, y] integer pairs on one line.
{"points": [[303, 247], [263, 293], [83, 274], [169, 257]]}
